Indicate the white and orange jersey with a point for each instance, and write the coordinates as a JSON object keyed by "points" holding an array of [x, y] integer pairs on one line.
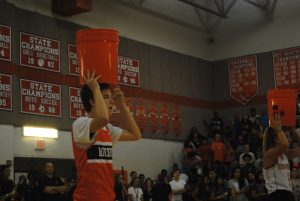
{"points": [[93, 159], [277, 177]]}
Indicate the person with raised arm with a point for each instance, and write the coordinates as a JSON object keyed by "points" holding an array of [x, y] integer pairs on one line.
{"points": [[93, 137], [276, 156]]}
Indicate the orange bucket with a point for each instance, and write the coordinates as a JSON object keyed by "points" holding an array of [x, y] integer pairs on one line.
{"points": [[283, 102], [98, 50]]}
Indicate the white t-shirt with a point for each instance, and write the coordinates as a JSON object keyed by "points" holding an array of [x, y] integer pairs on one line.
{"points": [[81, 132], [183, 177], [177, 185], [136, 193], [234, 184], [278, 176]]}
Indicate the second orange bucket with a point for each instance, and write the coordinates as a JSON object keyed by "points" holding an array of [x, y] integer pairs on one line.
{"points": [[98, 49], [283, 101]]}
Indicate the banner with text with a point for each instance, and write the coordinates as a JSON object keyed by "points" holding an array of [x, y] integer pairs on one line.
{"points": [[243, 79], [5, 43], [287, 68], [5, 92], [39, 52], [129, 71], [40, 98], [164, 118], [76, 106], [73, 60]]}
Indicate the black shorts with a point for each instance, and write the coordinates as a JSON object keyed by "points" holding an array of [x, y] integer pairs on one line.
{"points": [[281, 195]]}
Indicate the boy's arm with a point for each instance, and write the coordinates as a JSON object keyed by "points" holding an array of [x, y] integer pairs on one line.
{"points": [[100, 112], [131, 131], [85, 128]]}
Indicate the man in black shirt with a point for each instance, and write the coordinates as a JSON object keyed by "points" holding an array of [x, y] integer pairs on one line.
{"points": [[6, 184], [162, 191], [51, 188]]}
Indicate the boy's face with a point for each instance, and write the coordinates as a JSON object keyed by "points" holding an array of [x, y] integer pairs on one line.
{"points": [[108, 100]]}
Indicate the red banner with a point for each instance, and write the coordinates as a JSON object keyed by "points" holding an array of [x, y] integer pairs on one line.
{"points": [[39, 52], [5, 43], [129, 71], [152, 116], [76, 106], [40, 98], [164, 118], [176, 120], [73, 60], [287, 68], [140, 114], [5, 92], [243, 79]]}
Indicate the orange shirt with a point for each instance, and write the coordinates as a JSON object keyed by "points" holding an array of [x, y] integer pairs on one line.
{"points": [[94, 166], [218, 148]]}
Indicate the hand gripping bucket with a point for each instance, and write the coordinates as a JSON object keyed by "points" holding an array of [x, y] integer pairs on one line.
{"points": [[283, 101], [98, 50]]}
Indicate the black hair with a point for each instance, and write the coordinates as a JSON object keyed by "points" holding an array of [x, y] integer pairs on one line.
{"points": [[241, 180], [175, 170], [164, 171], [270, 139], [132, 172], [133, 179], [161, 178], [148, 179], [4, 167], [246, 156], [86, 95], [189, 139], [45, 164], [217, 185]]}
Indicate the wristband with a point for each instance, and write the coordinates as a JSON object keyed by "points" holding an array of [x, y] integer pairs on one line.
{"points": [[278, 130]]}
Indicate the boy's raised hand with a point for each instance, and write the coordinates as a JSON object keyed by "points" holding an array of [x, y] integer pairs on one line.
{"points": [[91, 81], [277, 121], [118, 97]]}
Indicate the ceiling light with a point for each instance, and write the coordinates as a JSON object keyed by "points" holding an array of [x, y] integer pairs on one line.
{"points": [[40, 132]]}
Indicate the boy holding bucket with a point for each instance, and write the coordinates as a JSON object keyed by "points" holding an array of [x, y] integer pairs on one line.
{"points": [[93, 138]]}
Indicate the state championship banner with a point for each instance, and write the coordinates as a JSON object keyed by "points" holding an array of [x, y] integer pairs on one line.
{"points": [[140, 113], [5, 92], [39, 52], [286, 64], [152, 112], [40, 98], [5, 43], [128, 71], [243, 79], [73, 60], [176, 119], [76, 106], [164, 118]]}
